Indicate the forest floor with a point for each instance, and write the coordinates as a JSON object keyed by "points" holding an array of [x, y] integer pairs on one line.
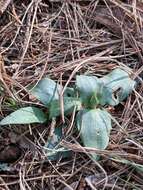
{"points": [[52, 38]]}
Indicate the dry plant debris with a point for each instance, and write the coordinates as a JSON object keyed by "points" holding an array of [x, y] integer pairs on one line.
{"points": [[59, 39]]}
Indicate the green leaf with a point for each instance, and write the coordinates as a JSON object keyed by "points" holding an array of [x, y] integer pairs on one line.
{"points": [[117, 86], [52, 148], [46, 91], [25, 115], [89, 88], [94, 126], [69, 104]]}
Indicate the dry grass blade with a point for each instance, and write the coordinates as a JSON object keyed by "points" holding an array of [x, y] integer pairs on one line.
{"points": [[4, 4], [112, 153]]}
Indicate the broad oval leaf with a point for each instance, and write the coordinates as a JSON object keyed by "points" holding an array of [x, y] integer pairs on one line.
{"points": [[94, 126], [69, 104], [46, 91], [117, 86], [89, 88], [25, 115]]}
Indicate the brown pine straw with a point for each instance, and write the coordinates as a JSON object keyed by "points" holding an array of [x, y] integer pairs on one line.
{"points": [[60, 39]]}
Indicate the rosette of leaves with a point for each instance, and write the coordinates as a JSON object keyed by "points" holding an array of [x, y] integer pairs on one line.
{"points": [[93, 121]]}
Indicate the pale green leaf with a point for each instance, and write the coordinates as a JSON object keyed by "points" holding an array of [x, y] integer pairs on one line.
{"points": [[89, 88], [94, 126], [25, 115], [46, 91], [69, 104], [117, 86]]}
